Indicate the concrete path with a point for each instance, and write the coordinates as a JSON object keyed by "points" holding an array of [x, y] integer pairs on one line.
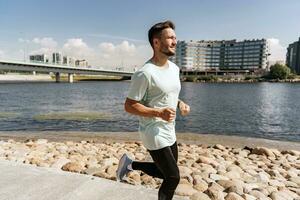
{"points": [[26, 182]]}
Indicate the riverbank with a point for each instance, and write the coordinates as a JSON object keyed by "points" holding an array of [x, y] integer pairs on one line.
{"points": [[211, 167], [15, 77], [25, 78]]}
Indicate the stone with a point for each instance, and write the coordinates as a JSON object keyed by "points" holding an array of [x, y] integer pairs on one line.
{"points": [[41, 141], [250, 186], [235, 188], [215, 191], [292, 152], [134, 178], [295, 180], [233, 175], [257, 194], [148, 180], [263, 177], [199, 184], [60, 163], [220, 147], [280, 195], [217, 177], [111, 170], [73, 167], [92, 171], [233, 196], [109, 162], [276, 183], [206, 160], [185, 190], [200, 196], [263, 151], [248, 197]]}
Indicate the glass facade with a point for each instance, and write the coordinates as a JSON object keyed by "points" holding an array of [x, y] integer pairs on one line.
{"points": [[293, 57], [224, 54]]}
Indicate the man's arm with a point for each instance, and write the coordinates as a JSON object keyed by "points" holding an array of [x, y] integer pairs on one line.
{"points": [[136, 108]]}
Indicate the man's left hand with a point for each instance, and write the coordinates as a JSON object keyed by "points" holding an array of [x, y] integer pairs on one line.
{"points": [[184, 108]]}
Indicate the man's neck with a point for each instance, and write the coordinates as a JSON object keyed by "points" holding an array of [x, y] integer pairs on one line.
{"points": [[159, 60]]}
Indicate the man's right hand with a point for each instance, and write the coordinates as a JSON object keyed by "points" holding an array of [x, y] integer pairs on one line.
{"points": [[167, 114]]}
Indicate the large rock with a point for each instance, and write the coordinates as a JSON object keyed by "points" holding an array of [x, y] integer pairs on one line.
{"points": [[233, 175], [185, 190], [200, 196], [41, 141], [276, 183], [236, 188], [217, 177], [215, 192], [233, 196], [220, 147], [248, 197], [60, 163], [263, 177], [263, 151], [134, 178], [92, 170], [257, 194], [295, 180], [200, 184], [206, 160], [280, 195], [73, 167]]}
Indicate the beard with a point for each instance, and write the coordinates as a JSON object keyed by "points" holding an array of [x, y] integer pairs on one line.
{"points": [[167, 52]]}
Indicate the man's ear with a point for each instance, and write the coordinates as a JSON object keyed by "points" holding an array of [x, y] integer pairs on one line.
{"points": [[156, 42]]}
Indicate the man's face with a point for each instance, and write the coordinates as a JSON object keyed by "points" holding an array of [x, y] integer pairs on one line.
{"points": [[167, 42]]}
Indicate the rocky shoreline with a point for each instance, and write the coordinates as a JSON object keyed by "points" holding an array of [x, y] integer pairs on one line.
{"points": [[207, 171]]}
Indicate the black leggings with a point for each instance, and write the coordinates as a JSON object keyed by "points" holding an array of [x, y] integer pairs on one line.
{"points": [[164, 167]]}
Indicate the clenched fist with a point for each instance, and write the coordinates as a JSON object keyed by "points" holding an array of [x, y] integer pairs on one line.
{"points": [[167, 114], [184, 108]]}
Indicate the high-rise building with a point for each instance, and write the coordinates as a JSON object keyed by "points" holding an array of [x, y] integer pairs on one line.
{"points": [[39, 58], [57, 58], [222, 54], [67, 60], [293, 56], [81, 63]]}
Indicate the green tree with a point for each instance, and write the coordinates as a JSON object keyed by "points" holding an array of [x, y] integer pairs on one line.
{"points": [[279, 71]]}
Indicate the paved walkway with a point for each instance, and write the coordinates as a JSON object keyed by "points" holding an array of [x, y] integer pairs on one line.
{"points": [[26, 182]]}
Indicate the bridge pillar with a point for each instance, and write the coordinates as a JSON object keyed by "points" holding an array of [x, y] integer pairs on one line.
{"points": [[34, 73], [57, 77], [71, 78]]}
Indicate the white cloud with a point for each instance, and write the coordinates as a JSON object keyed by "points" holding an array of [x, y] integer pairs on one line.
{"points": [[124, 54], [76, 47], [277, 50], [46, 42], [106, 54], [47, 46]]}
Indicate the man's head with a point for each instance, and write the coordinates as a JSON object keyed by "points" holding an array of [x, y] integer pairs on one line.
{"points": [[162, 38]]}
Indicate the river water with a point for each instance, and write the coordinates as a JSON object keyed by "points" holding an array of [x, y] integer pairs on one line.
{"points": [[262, 110]]}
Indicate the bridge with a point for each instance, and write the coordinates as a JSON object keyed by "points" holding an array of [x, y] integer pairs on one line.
{"points": [[57, 69]]}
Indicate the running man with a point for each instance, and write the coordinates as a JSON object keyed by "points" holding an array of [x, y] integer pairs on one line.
{"points": [[153, 96]]}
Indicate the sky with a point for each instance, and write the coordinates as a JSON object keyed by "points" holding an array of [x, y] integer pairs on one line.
{"points": [[113, 33]]}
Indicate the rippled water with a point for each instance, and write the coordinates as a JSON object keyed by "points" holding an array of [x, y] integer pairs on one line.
{"points": [[267, 110]]}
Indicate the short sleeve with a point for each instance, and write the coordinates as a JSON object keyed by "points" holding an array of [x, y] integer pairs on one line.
{"points": [[138, 87]]}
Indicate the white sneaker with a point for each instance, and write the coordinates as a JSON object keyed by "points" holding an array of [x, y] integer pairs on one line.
{"points": [[123, 170]]}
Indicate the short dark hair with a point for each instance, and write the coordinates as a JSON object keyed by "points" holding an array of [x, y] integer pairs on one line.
{"points": [[156, 29]]}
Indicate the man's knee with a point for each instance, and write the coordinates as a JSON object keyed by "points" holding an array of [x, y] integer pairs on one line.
{"points": [[173, 180]]}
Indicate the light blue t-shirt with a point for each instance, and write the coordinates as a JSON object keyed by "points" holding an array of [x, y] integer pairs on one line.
{"points": [[156, 87]]}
